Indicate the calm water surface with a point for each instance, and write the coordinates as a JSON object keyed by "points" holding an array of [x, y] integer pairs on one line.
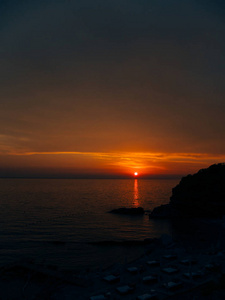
{"points": [[51, 221]]}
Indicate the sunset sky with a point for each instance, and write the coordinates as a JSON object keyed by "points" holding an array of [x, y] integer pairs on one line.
{"points": [[108, 88]]}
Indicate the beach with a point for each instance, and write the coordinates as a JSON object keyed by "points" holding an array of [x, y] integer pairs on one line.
{"points": [[171, 268]]}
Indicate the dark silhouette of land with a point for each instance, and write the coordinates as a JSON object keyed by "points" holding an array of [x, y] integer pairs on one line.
{"points": [[198, 195]]}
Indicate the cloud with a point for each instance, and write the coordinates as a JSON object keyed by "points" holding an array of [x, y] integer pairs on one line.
{"points": [[135, 158], [103, 76]]}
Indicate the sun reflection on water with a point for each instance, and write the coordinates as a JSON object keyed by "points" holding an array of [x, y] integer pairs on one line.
{"points": [[136, 193]]}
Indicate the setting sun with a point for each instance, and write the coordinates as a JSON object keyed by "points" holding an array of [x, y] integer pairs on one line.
{"points": [[135, 173]]}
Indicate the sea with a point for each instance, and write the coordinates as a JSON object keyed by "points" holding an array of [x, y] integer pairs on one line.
{"points": [[57, 222]]}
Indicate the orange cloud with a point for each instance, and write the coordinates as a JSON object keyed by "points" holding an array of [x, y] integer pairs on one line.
{"points": [[144, 161]]}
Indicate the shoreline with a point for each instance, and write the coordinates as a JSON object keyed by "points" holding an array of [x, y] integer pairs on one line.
{"points": [[23, 280]]}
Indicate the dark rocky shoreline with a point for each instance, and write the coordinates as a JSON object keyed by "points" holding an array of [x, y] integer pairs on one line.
{"points": [[198, 195]]}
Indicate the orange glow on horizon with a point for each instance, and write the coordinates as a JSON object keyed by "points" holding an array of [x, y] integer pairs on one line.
{"points": [[114, 163]]}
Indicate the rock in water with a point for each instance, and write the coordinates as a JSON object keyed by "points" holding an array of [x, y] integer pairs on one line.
{"points": [[198, 195], [128, 211]]}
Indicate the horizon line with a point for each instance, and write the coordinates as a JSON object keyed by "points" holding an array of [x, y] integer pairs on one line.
{"points": [[172, 176]]}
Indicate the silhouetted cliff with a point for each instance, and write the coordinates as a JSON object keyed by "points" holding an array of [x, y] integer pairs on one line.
{"points": [[200, 195]]}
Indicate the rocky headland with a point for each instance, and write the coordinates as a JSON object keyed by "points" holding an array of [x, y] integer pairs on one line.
{"points": [[198, 195]]}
